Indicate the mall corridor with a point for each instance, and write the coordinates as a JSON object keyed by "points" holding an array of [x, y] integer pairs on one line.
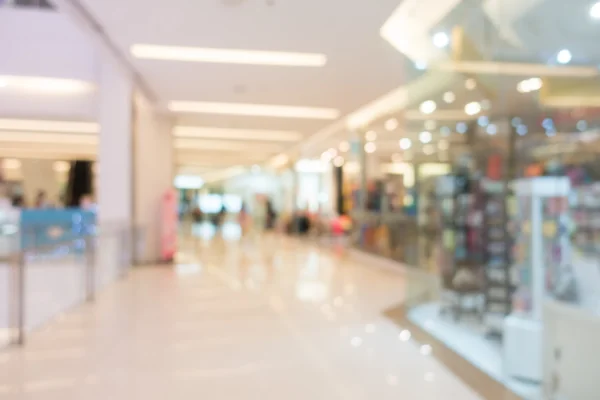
{"points": [[280, 320]]}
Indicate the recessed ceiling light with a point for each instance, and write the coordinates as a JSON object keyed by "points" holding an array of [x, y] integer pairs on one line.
{"points": [[344, 147], [26, 125], [405, 143], [486, 104], [430, 125], [445, 131], [516, 121], [391, 124], [426, 349], [548, 123], [253, 110], [371, 136], [461, 127], [582, 125], [483, 121], [10, 163], [427, 107], [43, 85], [332, 152], [491, 129], [421, 65], [338, 161], [441, 40], [595, 11], [370, 147], [470, 84], [205, 132], [564, 56], [473, 108], [522, 130], [61, 166], [449, 97], [529, 85], [425, 137], [227, 56]]}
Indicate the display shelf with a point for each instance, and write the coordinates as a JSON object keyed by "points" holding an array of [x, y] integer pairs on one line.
{"points": [[585, 210], [497, 262], [460, 255]]}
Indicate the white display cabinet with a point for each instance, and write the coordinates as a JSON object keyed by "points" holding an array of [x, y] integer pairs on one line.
{"points": [[542, 256]]}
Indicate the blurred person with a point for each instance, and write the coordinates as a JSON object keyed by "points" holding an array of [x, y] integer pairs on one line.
{"points": [[41, 200], [18, 201], [259, 215], [243, 219], [271, 215], [221, 215]]}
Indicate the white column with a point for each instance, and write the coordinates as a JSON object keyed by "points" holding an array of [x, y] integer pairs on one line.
{"points": [[153, 173], [115, 152], [114, 172]]}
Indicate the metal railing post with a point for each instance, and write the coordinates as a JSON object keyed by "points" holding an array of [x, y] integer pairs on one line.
{"points": [[90, 268], [21, 298]]}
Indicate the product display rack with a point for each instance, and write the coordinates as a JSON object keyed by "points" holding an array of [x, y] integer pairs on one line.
{"points": [[460, 248], [586, 217], [497, 249]]}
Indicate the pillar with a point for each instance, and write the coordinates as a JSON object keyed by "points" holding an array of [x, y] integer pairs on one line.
{"points": [[153, 176], [115, 149]]}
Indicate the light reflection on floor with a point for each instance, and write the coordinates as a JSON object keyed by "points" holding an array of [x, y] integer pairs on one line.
{"points": [[230, 231], [286, 320]]}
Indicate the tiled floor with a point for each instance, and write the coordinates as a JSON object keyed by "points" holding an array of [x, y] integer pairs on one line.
{"points": [[277, 319]]}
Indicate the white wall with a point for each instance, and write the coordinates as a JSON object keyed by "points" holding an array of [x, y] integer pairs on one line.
{"points": [[153, 173], [39, 175], [45, 44]]}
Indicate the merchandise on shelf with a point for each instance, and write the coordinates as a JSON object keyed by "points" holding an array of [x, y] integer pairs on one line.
{"points": [[497, 259]]}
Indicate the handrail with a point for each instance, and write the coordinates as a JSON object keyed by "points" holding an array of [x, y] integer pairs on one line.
{"points": [[83, 253], [41, 4]]}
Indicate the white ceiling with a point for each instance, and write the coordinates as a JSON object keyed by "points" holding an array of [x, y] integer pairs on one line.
{"points": [[360, 65], [362, 68]]}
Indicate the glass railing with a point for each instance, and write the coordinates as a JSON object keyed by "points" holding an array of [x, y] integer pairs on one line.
{"points": [[46, 270]]}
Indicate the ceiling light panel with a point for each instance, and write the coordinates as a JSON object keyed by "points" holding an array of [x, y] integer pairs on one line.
{"points": [[227, 56], [43, 85], [236, 134], [225, 145], [254, 110], [47, 138], [25, 125]]}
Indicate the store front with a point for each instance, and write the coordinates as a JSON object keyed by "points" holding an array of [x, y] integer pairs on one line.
{"points": [[486, 181]]}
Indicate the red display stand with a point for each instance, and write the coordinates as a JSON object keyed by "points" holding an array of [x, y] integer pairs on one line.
{"points": [[169, 225]]}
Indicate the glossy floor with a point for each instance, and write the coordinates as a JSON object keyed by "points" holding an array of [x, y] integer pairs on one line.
{"points": [[266, 319]]}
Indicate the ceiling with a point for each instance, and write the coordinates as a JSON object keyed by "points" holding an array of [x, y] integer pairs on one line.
{"points": [[381, 63]]}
